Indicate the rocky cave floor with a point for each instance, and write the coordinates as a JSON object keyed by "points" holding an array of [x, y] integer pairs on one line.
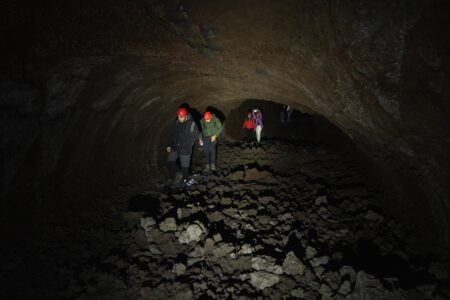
{"points": [[276, 221]]}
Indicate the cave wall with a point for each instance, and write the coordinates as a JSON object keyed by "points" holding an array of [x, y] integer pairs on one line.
{"points": [[88, 89]]}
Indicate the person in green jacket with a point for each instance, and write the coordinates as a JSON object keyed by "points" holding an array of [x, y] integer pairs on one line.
{"points": [[211, 128]]}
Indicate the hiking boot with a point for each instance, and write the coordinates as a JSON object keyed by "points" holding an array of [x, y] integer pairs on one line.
{"points": [[177, 179], [207, 168], [213, 167], [191, 182], [188, 183]]}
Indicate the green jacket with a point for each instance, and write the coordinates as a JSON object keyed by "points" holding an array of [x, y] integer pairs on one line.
{"points": [[212, 128]]}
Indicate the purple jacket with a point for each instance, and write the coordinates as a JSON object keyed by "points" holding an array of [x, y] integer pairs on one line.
{"points": [[258, 119]]}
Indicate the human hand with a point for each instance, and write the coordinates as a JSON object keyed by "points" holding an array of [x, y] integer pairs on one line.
{"points": [[169, 149], [213, 138]]}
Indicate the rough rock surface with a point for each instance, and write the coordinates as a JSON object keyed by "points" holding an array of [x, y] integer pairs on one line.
{"points": [[270, 242]]}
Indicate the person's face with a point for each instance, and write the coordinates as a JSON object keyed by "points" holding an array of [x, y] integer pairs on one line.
{"points": [[181, 119], [207, 120]]}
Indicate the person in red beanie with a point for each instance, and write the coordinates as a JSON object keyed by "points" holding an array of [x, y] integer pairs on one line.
{"points": [[182, 138], [211, 128]]}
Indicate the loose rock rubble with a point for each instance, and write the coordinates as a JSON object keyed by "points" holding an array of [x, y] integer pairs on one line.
{"points": [[278, 221]]}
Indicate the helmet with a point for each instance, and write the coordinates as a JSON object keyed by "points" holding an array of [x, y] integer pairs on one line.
{"points": [[207, 115], [182, 112]]}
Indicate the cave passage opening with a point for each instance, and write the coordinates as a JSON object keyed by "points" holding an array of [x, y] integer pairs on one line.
{"points": [[304, 125]]}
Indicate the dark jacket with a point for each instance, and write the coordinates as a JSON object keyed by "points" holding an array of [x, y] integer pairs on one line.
{"points": [[183, 136]]}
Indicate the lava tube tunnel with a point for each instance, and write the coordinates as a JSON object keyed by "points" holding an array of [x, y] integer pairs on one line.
{"points": [[321, 170]]}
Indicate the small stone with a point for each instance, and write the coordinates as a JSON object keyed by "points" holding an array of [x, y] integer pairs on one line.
{"points": [[298, 293], [198, 252], [194, 260], [427, 290], [266, 199], [319, 271], [438, 271], [252, 212], [318, 261], [192, 233], [261, 280], [147, 223], [168, 224], [238, 175], [286, 228], [131, 217], [287, 217], [154, 250], [345, 288], [217, 237], [373, 216], [226, 201], [292, 265], [325, 290], [321, 200], [270, 241], [310, 252], [178, 269], [215, 216], [333, 279], [267, 264], [370, 287], [246, 249], [244, 277], [264, 220], [185, 295], [338, 256], [209, 245], [348, 271], [223, 250]]}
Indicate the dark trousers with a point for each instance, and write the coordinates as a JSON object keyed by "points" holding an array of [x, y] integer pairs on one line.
{"points": [[185, 161], [289, 115], [209, 148], [282, 116], [249, 134]]}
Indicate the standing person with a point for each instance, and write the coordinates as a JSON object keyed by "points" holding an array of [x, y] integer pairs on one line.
{"points": [[289, 112], [257, 116], [249, 126], [182, 138], [211, 128], [283, 110]]}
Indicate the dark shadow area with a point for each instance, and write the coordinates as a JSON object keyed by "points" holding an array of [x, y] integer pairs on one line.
{"points": [[144, 203], [367, 256]]}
